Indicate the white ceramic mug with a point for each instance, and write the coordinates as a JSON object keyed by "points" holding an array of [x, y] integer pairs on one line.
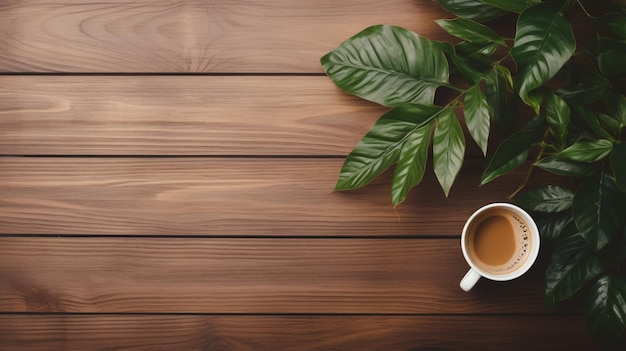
{"points": [[479, 230]]}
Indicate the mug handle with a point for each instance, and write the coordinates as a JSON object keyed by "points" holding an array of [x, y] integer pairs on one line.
{"points": [[470, 279]]}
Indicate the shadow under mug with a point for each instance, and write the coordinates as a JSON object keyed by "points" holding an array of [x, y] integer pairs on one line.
{"points": [[523, 246]]}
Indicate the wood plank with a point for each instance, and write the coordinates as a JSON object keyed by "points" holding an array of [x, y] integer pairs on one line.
{"points": [[173, 115], [192, 35], [277, 333], [248, 275], [228, 196]]}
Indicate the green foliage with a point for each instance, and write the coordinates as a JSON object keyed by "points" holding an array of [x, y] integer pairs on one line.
{"points": [[553, 98]]}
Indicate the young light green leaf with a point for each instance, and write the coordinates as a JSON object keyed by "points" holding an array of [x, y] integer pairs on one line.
{"points": [[557, 116], [471, 31], [597, 209], [512, 5], [605, 315], [588, 151], [471, 9], [544, 42], [382, 145], [513, 151], [411, 164], [388, 65], [448, 148], [618, 164], [566, 167], [552, 198], [573, 265], [476, 112]]}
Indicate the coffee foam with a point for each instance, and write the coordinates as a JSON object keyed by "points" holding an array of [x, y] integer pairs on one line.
{"points": [[523, 242]]}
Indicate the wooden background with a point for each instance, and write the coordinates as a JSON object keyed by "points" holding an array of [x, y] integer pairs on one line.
{"points": [[166, 183]]}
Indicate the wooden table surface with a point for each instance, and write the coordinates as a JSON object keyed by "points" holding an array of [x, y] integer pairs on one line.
{"points": [[166, 183]]}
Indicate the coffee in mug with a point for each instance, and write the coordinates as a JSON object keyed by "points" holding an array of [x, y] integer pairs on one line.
{"points": [[500, 242]]}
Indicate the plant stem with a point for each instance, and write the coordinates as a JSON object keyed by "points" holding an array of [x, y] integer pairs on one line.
{"points": [[532, 166]]}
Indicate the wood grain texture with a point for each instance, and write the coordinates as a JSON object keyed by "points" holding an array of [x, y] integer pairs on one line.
{"points": [[284, 333], [192, 35], [227, 196], [178, 115], [251, 276]]}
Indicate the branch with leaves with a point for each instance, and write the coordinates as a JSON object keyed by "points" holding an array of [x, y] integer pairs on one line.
{"points": [[575, 92]]}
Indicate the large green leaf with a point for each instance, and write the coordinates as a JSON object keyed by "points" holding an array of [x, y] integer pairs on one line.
{"points": [[382, 145], [566, 167], [544, 42], [605, 315], [557, 115], [512, 5], [552, 198], [471, 31], [411, 164], [476, 112], [597, 209], [513, 151], [471, 9], [615, 22], [588, 151], [573, 264], [611, 57], [553, 226], [585, 86], [448, 148], [498, 83], [618, 164], [615, 104], [590, 118], [388, 65]]}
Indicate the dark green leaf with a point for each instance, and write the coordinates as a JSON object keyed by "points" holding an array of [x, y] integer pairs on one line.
{"points": [[618, 164], [553, 226], [590, 118], [496, 91], [616, 105], [476, 113], [605, 315], [513, 151], [611, 57], [562, 166], [615, 22], [471, 31], [557, 116], [597, 209], [448, 148], [411, 164], [585, 86], [382, 145], [512, 5], [544, 42], [573, 265], [551, 198], [388, 65], [471, 70], [588, 151], [477, 52], [471, 9]]}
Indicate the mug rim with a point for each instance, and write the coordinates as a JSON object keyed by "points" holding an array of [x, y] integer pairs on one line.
{"points": [[534, 251]]}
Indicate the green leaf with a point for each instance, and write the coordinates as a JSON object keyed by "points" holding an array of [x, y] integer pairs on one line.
{"points": [[615, 22], [411, 164], [448, 148], [585, 86], [512, 5], [496, 92], [544, 42], [382, 145], [573, 265], [597, 209], [477, 52], [590, 118], [588, 151], [557, 116], [471, 31], [553, 226], [388, 65], [476, 112], [615, 104], [566, 167], [605, 315], [611, 57], [471, 9], [618, 164], [471, 70], [551, 198], [513, 151]]}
